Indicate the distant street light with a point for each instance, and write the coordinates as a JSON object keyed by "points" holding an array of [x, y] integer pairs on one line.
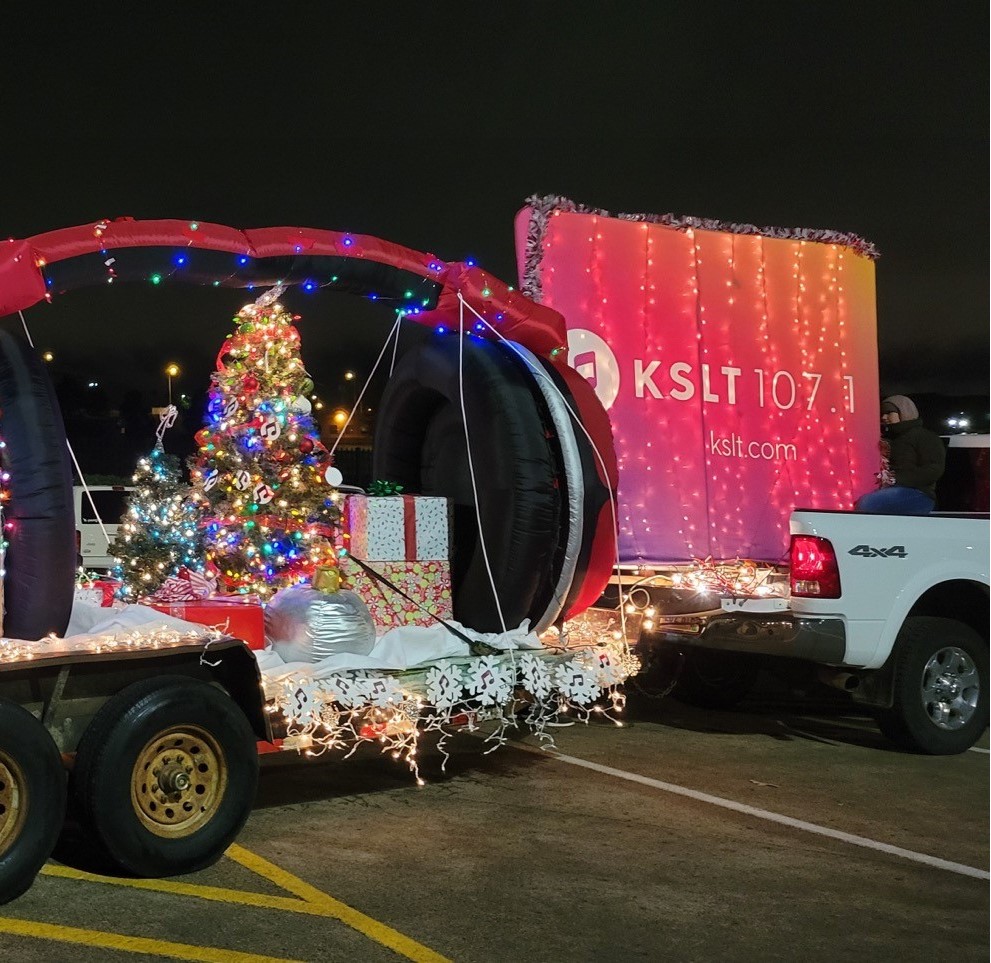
{"points": [[339, 417], [171, 371], [352, 386], [48, 356]]}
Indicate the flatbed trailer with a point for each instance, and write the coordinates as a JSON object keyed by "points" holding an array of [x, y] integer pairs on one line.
{"points": [[152, 738], [170, 727]]}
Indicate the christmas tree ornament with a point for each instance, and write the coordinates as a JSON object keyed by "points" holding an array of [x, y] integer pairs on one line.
{"points": [[262, 494], [306, 446], [270, 429], [333, 477], [230, 408], [250, 383], [211, 479], [301, 405], [242, 479], [304, 624], [306, 385]]}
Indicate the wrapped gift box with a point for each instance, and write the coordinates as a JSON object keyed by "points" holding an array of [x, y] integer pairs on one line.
{"points": [[242, 618], [426, 581], [391, 528], [97, 592]]}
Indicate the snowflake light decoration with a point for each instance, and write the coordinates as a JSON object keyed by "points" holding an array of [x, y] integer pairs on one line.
{"points": [[482, 695], [349, 691], [444, 686], [576, 683], [535, 677], [489, 682], [383, 691]]}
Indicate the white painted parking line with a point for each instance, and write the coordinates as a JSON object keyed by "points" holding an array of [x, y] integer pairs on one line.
{"points": [[934, 861], [977, 749]]}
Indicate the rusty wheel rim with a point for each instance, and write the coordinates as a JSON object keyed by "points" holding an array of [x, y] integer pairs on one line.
{"points": [[178, 781], [13, 801]]}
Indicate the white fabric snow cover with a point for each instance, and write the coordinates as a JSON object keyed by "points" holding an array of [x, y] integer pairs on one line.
{"points": [[405, 647], [87, 619]]}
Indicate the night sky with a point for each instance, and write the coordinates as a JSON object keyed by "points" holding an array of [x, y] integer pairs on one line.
{"points": [[429, 124]]}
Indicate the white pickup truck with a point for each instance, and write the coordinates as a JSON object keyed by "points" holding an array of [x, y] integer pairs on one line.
{"points": [[892, 608]]}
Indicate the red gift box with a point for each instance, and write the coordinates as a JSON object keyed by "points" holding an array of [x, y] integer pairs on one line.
{"points": [[100, 591], [242, 618]]}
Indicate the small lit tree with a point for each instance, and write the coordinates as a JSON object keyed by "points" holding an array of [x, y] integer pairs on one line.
{"points": [[159, 533], [262, 480]]}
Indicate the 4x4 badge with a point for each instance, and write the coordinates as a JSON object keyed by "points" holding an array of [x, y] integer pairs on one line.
{"points": [[867, 551]]}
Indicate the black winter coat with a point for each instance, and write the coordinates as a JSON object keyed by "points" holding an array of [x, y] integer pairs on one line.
{"points": [[917, 458]]}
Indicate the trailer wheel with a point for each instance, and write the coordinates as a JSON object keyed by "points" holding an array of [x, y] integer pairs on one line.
{"points": [[166, 774], [711, 679], [705, 678], [940, 689], [32, 799]]}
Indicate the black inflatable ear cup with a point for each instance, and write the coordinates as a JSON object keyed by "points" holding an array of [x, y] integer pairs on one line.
{"points": [[561, 433], [595, 491], [39, 517], [420, 444]]}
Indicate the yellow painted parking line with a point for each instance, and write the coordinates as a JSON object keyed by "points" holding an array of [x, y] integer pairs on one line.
{"points": [[306, 899], [371, 928], [130, 944], [215, 893]]}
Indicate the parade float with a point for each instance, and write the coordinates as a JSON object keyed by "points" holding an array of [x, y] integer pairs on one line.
{"points": [[267, 605]]}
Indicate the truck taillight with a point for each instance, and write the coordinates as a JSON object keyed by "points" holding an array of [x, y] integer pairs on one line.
{"points": [[814, 571]]}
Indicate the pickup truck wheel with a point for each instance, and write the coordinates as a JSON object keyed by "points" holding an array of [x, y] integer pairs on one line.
{"points": [[32, 799], [941, 687], [165, 775]]}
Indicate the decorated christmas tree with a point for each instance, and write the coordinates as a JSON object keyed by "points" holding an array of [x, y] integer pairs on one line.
{"points": [[159, 533], [263, 481]]}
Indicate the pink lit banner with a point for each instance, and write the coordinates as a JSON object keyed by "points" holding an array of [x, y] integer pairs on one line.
{"points": [[739, 371]]}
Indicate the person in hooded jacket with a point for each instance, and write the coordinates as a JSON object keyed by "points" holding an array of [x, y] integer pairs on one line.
{"points": [[916, 461]]}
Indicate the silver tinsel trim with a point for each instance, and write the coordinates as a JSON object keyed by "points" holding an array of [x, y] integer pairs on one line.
{"points": [[541, 208]]}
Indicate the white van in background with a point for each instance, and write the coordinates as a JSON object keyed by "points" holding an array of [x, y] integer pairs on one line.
{"points": [[110, 502]]}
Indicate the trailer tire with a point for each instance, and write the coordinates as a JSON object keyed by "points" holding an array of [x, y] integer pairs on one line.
{"points": [[941, 680], [711, 679], [32, 798], [165, 775]]}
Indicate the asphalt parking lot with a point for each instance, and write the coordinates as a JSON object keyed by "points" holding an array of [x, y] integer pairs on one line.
{"points": [[787, 830]]}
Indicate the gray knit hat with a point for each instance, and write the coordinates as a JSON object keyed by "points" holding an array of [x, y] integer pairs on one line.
{"points": [[905, 407]]}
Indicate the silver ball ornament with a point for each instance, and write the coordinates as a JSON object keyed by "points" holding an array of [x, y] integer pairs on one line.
{"points": [[306, 625]]}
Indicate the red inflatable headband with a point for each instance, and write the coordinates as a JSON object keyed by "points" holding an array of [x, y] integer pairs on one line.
{"points": [[29, 269]]}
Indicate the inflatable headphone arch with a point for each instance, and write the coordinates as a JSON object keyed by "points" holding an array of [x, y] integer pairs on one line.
{"points": [[554, 557]]}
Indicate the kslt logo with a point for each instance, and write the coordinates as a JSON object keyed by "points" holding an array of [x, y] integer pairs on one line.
{"points": [[866, 551], [593, 359]]}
